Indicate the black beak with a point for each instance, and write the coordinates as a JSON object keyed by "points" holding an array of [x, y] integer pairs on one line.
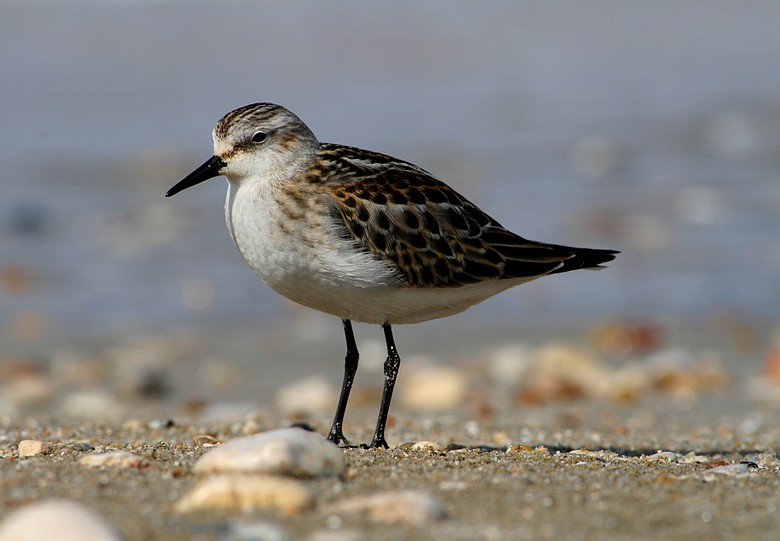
{"points": [[208, 170]]}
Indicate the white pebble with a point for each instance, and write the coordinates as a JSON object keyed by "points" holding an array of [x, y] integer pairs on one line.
{"points": [[115, 459], [671, 456], [433, 388], [693, 458], [430, 446], [34, 448], [310, 396], [410, 507], [95, 404], [286, 451], [560, 362], [247, 493], [509, 364], [734, 469], [62, 520]]}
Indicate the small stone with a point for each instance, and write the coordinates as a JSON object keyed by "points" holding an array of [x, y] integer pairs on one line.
{"points": [[626, 338], [132, 425], [670, 456], [79, 447], [411, 507], [159, 424], [517, 449], [501, 439], [310, 396], [561, 371], [677, 370], [206, 440], [115, 459], [734, 469], [62, 520], [94, 404], [433, 388], [693, 458], [286, 451], [247, 493], [28, 389], [250, 427], [508, 365], [34, 448], [430, 446]]}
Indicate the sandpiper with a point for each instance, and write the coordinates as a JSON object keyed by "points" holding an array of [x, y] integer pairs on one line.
{"points": [[362, 235]]}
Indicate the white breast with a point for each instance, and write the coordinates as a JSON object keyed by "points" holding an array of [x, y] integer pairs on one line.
{"points": [[305, 260]]}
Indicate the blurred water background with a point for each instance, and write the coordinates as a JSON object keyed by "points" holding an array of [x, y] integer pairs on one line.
{"points": [[652, 128]]}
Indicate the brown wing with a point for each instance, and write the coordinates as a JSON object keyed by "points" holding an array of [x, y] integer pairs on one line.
{"points": [[432, 234]]}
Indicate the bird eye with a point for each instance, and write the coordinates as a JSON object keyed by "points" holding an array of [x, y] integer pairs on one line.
{"points": [[259, 137]]}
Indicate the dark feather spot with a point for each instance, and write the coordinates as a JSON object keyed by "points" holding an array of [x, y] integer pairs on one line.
{"points": [[418, 241], [382, 221], [435, 195], [362, 213], [427, 277], [411, 220], [399, 183], [452, 197], [415, 196], [429, 223], [379, 198], [456, 219], [379, 241], [441, 247], [357, 229], [350, 201], [398, 197]]}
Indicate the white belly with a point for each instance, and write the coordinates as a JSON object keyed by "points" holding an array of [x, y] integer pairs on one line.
{"points": [[308, 262]]}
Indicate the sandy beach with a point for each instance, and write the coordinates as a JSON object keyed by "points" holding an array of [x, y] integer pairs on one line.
{"points": [[576, 436]]}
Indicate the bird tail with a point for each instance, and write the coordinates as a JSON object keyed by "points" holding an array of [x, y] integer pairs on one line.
{"points": [[585, 258]]}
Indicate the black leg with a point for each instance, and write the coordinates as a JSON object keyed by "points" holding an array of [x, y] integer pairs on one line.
{"points": [[392, 363], [350, 367]]}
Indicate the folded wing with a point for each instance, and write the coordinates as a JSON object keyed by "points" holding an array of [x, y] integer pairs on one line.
{"points": [[431, 234]]}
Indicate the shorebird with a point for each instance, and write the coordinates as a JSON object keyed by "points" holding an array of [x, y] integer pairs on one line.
{"points": [[362, 235]]}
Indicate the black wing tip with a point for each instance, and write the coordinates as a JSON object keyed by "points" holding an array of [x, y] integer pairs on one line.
{"points": [[587, 258], [608, 255]]}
